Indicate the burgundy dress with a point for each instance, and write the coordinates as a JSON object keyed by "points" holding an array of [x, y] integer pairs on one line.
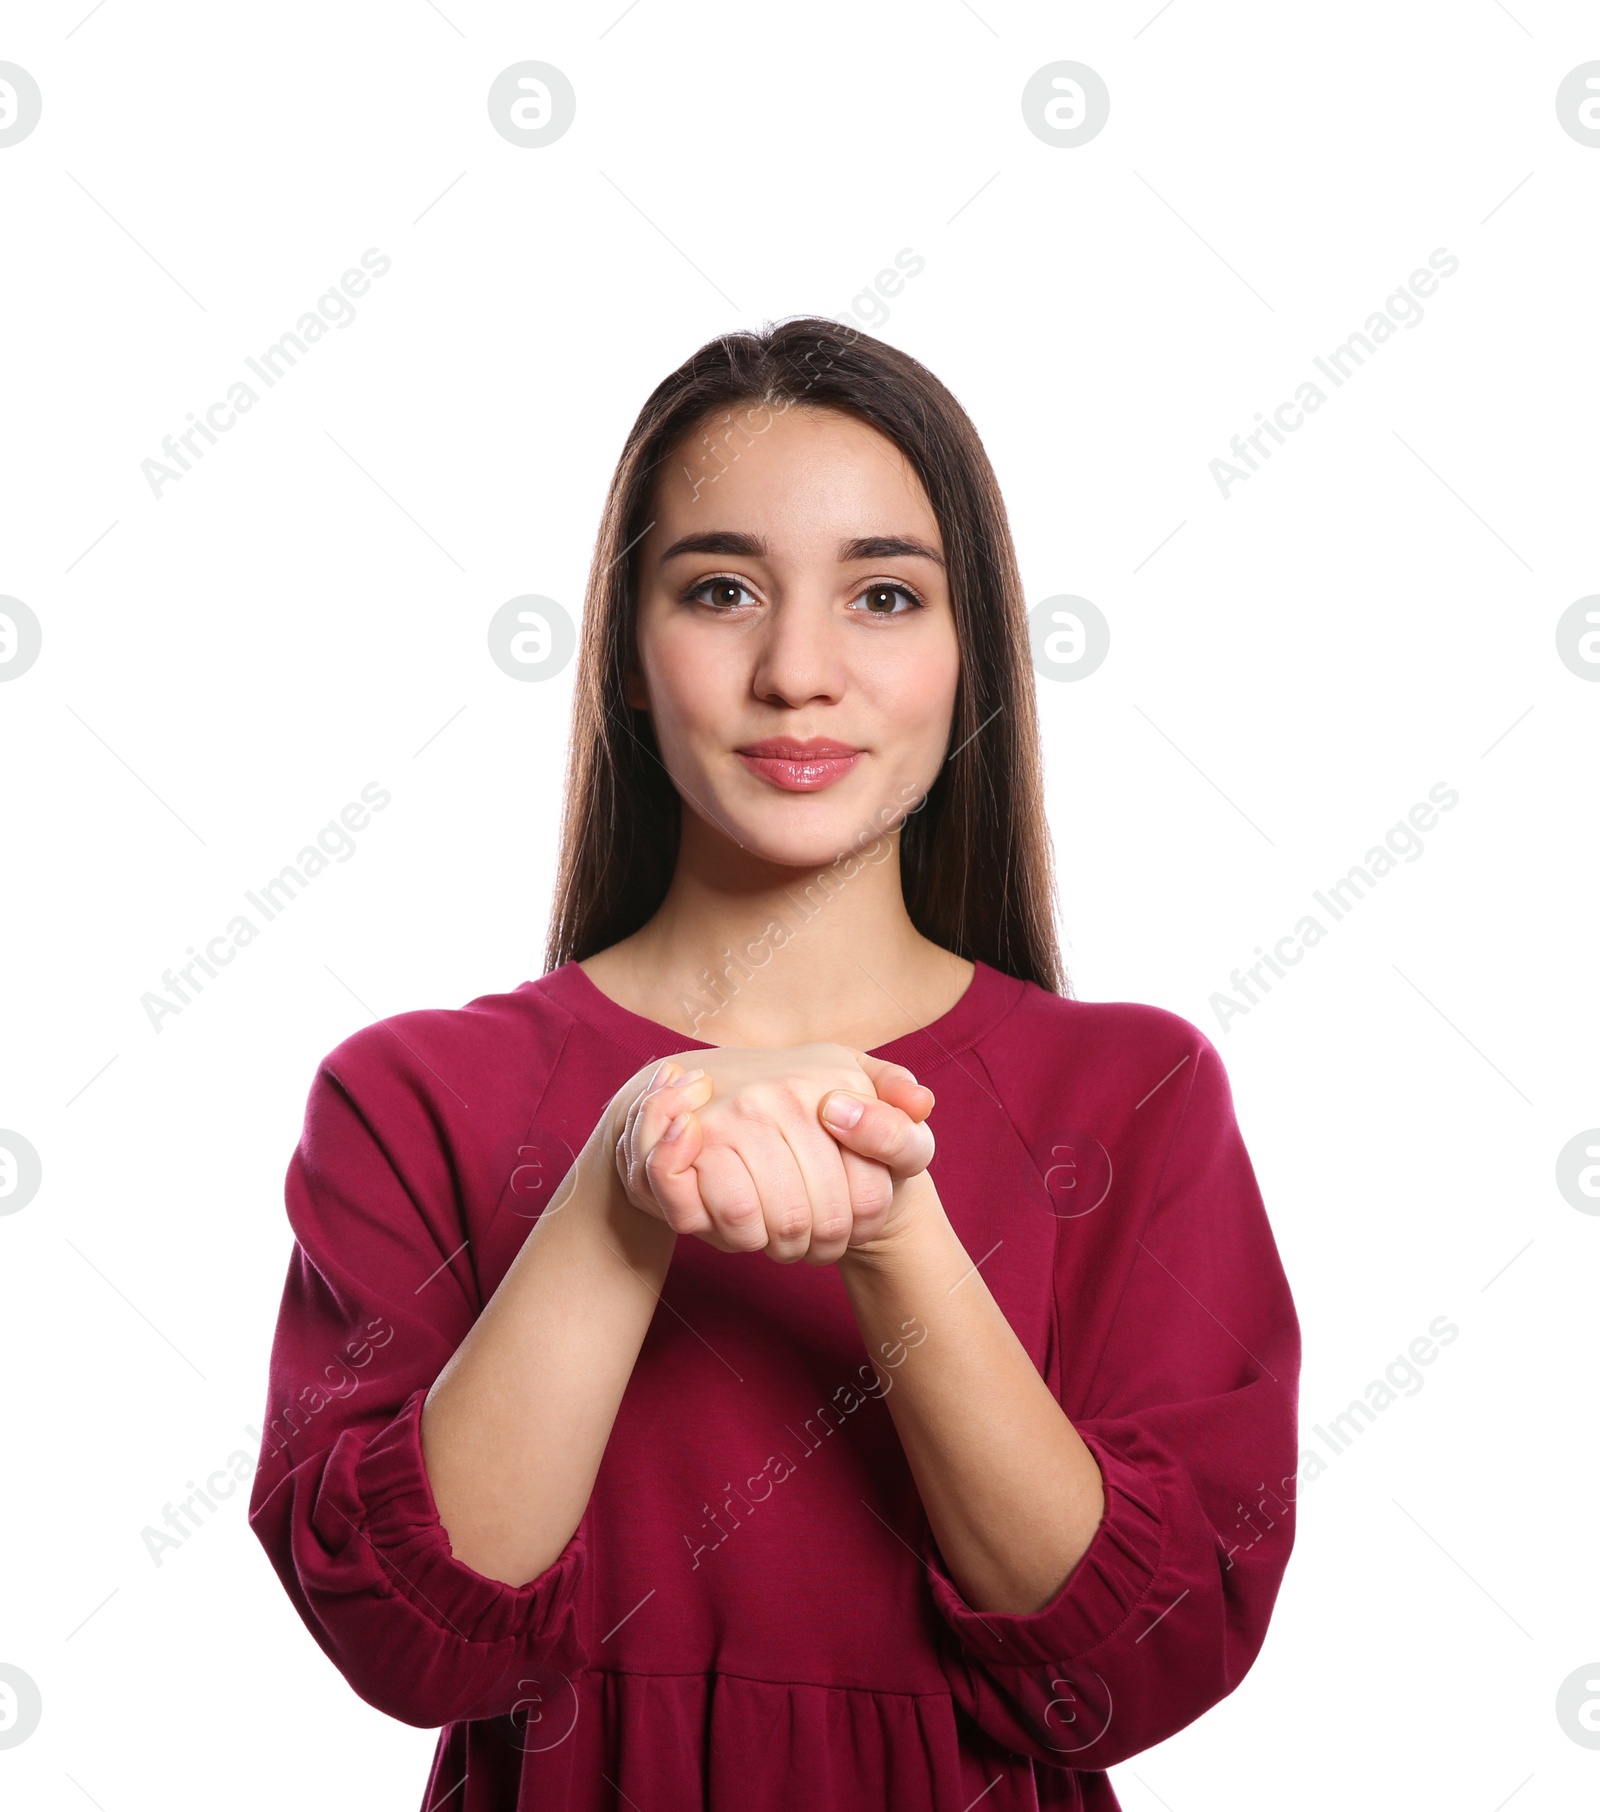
{"points": [[752, 1615]]}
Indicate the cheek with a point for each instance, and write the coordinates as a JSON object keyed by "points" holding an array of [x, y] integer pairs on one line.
{"points": [[688, 690], [916, 690]]}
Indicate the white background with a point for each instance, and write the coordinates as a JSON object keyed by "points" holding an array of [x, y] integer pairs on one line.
{"points": [[1372, 612]]}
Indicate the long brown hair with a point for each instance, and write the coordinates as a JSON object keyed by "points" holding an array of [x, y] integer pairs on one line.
{"points": [[975, 859]]}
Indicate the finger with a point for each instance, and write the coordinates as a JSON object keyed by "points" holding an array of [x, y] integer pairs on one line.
{"points": [[649, 1117], [874, 1129], [669, 1077], [894, 1083], [666, 1073], [671, 1180], [668, 1091], [912, 1098], [732, 1201], [820, 1160], [871, 1195], [781, 1184]]}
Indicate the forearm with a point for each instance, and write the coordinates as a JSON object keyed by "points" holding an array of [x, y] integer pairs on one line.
{"points": [[1012, 1494], [516, 1424]]}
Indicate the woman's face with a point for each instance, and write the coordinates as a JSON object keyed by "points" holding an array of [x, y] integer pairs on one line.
{"points": [[793, 591]]}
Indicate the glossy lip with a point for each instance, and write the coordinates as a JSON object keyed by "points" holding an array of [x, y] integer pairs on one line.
{"points": [[790, 748], [820, 764]]}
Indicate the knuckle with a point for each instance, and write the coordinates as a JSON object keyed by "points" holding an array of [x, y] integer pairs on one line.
{"points": [[757, 1106], [737, 1208], [872, 1194], [830, 1225], [681, 1217], [791, 1223], [901, 1136]]}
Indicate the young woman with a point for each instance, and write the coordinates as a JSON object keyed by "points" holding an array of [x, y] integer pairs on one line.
{"points": [[650, 1407]]}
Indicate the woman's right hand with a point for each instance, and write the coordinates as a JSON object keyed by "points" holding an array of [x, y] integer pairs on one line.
{"points": [[760, 1170]]}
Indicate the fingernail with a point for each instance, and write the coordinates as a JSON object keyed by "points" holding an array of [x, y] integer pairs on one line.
{"points": [[660, 1076], [692, 1076], [679, 1122], [842, 1111]]}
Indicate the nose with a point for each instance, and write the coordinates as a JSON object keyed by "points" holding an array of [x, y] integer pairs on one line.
{"points": [[800, 656]]}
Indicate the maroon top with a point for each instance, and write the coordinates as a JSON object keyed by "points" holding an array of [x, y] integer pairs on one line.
{"points": [[752, 1615]]}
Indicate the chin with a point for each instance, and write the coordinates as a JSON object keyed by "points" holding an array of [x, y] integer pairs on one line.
{"points": [[814, 850], [825, 839]]}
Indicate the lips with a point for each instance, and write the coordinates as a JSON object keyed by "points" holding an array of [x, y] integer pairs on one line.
{"points": [[799, 767], [788, 748]]}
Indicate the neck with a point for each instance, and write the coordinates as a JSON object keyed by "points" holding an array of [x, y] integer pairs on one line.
{"points": [[747, 952]]}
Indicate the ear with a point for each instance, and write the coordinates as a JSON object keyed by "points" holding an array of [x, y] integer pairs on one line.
{"points": [[633, 689]]}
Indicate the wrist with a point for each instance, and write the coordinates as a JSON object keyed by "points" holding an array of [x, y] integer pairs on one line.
{"points": [[915, 1217], [645, 1243], [597, 1164]]}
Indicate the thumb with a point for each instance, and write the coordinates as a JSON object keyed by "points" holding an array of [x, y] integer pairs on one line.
{"points": [[877, 1129]]}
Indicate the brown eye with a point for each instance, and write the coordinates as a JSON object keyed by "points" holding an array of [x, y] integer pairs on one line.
{"points": [[720, 594], [880, 600]]}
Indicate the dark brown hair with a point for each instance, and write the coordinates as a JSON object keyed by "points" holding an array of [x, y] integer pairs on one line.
{"points": [[975, 858]]}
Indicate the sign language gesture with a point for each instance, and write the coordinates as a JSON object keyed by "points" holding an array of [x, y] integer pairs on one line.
{"points": [[755, 1149]]}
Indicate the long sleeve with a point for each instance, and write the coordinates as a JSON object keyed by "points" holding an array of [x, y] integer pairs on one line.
{"points": [[377, 1299], [1191, 1415]]}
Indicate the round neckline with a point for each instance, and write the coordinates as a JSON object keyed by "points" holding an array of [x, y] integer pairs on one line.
{"points": [[988, 995]]}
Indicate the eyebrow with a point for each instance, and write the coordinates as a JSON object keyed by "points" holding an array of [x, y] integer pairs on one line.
{"points": [[754, 547]]}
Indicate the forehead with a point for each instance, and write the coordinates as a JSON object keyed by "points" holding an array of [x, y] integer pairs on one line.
{"points": [[803, 474]]}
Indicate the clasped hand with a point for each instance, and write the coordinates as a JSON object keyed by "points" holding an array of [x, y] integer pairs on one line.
{"points": [[738, 1146]]}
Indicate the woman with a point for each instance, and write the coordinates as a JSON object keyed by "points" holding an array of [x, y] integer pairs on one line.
{"points": [[650, 1407]]}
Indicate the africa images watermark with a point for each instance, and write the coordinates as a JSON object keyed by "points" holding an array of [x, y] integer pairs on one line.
{"points": [[334, 309], [777, 1467], [274, 895], [755, 953], [1400, 843], [1401, 1378], [1401, 309], [338, 1381], [866, 303]]}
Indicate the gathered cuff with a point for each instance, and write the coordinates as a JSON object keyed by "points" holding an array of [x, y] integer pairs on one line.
{"points": [[403, 1525], [1095, 1600]]}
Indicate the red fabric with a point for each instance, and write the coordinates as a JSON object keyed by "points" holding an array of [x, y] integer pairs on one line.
{"points": [[752, 1615]]}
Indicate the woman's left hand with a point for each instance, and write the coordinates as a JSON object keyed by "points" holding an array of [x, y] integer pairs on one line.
{"points": [[890, 1130], [889, 1127]]}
